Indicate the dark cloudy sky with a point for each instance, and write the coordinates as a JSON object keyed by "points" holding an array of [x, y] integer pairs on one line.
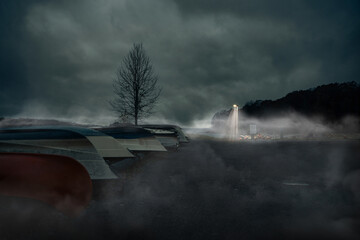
{"points": [[58, 58]]}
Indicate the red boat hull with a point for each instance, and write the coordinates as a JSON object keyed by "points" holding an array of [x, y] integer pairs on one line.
{"points": [[57, 180]]}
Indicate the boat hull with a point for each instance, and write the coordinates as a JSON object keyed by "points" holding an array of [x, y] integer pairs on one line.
{"points": [[59, 181]]}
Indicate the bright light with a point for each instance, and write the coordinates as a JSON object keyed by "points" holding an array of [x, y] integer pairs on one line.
{"points": [[234, 105]]}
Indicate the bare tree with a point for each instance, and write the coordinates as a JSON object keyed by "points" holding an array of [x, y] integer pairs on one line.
{"points": [[135, 86]]}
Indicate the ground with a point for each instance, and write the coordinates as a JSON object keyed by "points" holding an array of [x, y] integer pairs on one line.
{"points": [[214, 190]]}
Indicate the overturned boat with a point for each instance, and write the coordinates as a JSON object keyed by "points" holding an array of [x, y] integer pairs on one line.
{"points": [[89, 147], [169, 135], [135, 139], [59, 181]]}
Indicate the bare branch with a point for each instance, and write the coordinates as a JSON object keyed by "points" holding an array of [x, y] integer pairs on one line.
{"points": [[135, 86]]}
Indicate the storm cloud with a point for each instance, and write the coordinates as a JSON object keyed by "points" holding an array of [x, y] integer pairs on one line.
{"points": [[58, 58]]}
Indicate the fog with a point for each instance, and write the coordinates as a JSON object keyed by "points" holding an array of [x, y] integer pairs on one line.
{"points": [[213, 190], [290, 124]]}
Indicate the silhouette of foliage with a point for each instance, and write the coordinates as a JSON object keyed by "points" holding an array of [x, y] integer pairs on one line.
{"points": [[332, 101]]}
